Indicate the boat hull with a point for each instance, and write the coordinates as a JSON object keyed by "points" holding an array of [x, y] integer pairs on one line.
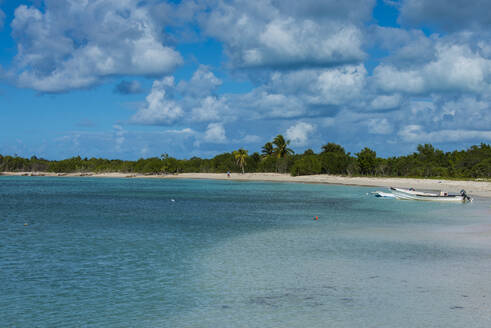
{"points": [[432, 198]]}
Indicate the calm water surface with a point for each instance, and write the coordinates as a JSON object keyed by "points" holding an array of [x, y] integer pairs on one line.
{"points": [[120, 253]]}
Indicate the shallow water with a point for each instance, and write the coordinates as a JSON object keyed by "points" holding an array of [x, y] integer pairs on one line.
{"points": [[120, 253]]}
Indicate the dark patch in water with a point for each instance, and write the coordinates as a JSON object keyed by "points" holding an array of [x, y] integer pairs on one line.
{"points": [[456, 307], [225, 307], [373, 277]]}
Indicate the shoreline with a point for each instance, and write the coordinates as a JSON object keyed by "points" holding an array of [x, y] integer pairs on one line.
{"points": [[473, 188]]}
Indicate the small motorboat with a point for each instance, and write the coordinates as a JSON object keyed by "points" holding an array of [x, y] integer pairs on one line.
{"points": [[407, 194]]}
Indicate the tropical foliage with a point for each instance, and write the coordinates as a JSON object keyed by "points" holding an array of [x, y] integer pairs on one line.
{"points": [[281, 149], [240, 158], [276, 156]]}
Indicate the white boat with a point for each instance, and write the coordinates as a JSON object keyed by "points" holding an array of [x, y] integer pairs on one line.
{"points": [[443, 197]]}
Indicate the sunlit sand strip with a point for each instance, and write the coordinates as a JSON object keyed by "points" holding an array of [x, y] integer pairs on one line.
{"points": [[473, 188]]}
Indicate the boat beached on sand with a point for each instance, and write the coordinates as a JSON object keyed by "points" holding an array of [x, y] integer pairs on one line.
{"points": [[411, 194]]}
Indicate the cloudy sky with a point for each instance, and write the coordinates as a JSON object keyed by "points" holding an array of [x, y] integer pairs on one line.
{"points": [[129, 79]]}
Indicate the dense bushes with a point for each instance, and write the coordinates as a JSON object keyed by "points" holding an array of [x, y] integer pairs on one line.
{"points": [[474, 162]]}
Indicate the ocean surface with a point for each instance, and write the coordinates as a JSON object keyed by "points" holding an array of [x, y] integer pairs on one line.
{"points": [[95, 252]]}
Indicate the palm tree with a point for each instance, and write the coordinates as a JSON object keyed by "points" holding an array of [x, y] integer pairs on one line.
{"points": [[240, 158], [331, 147], [281, 144], [267, 149]]}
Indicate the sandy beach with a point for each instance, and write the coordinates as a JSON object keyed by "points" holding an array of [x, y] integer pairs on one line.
{"points": [[474, 188]]}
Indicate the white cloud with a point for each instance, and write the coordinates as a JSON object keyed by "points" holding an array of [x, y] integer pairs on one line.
{"points": [[259, 103], [272, 34], [77, 44], [379, 126], [450, 15], [384, 102], [215, 133], [159, 108], [466, 112], [352, 11], [456, 69], [210, 109], [339, 86], [416, 133], [182, 131], [333, 86], [190, 101], [404, 47], [202, 83], [299, 133]]}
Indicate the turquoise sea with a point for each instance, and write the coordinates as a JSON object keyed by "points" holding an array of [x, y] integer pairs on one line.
{"points": [[95, 252]]}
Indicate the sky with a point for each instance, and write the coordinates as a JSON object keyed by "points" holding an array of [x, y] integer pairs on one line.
{"points": [[131, 79]]}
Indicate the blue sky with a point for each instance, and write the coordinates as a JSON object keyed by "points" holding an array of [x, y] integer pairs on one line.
{"points": [[130, 79]]}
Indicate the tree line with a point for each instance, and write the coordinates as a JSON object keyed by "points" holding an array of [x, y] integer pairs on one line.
{"points": [[276, 156]]}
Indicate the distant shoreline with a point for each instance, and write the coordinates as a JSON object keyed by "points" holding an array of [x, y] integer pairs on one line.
{"points": [[474, 188]]}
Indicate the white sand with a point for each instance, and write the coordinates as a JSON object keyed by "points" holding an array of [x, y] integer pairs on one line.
{"points": [[473, 188]]}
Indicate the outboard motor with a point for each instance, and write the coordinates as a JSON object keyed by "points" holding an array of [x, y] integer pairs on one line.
{"points": [[464, 195]]}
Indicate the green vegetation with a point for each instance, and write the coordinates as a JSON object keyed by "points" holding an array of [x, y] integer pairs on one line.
{"points": [[276, 156], [240, 158]]}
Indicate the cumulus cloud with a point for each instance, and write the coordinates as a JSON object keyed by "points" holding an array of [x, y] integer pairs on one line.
{"points": [[215, 133], [379, 126], [290, 94], [299, 133], [328, 86], [128, 87], [384, 102], [457, 68], [189, 101], [449, 15], [338, 86], [353, 11], [417, 134], [210, 109], [272, 34], [159, 107], [405, 47], [260, 104], [465, 112], [72, 45], [202, 83], [305, 61]]}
